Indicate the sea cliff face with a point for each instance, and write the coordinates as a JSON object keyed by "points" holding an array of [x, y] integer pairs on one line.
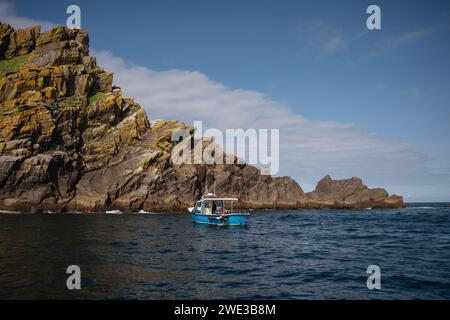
{"points": [[70, 142]]}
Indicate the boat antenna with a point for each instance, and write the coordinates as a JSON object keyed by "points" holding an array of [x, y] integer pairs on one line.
{"points": [[206, 187], [214, 186]]}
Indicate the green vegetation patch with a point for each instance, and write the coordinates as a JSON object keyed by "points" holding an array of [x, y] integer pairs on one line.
{"points": [[72, 102], [12, 65], [96, 97]]}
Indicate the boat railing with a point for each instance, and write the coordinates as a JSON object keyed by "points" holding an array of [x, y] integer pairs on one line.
{"points": [[235, 211], [226, 211]]}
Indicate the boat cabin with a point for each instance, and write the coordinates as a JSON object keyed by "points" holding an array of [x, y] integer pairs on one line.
{"points": [[210, 205]]}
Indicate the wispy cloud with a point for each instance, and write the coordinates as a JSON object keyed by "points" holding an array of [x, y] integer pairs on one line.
{"points": [[8, 15], [400, 40], [411, 37], [414, 92], [322, 37], [331, 40]]}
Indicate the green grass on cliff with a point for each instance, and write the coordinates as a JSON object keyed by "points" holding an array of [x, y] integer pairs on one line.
{"points": [[96, 97], [12, 65], [70, 102]]}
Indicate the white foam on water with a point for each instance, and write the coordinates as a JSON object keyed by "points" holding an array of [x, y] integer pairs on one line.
{"points": [[10, 212], [114, 212], [146, 212]]}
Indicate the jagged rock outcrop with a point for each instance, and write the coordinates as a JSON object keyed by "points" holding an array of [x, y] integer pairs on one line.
{"points": [[17, 43], [70, 142], [350, 193]]}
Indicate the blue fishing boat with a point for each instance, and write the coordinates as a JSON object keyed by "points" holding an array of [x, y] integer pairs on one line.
{"points": [[211, 210]]}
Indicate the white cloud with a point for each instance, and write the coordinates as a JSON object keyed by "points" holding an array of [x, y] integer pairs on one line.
{"points": [[8, 15], [308, 149]]}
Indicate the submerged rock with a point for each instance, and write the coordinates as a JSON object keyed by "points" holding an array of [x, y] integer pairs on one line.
{"points": [[70, 142]]}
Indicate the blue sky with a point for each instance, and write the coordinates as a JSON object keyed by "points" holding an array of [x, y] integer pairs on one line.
{"points": [[314, 60]]}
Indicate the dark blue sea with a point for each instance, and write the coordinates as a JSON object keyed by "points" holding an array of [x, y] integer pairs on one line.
{"points": [[281, 255]]}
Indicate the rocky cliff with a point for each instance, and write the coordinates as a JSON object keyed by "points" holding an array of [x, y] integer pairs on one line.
{"points": [[70, 142]]}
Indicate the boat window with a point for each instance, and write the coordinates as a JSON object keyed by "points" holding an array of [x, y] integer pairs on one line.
{"points": [[218, 206], [208, 207]]}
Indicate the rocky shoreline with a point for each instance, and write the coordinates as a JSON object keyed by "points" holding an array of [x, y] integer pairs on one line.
{"points": [[69, 142]]}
